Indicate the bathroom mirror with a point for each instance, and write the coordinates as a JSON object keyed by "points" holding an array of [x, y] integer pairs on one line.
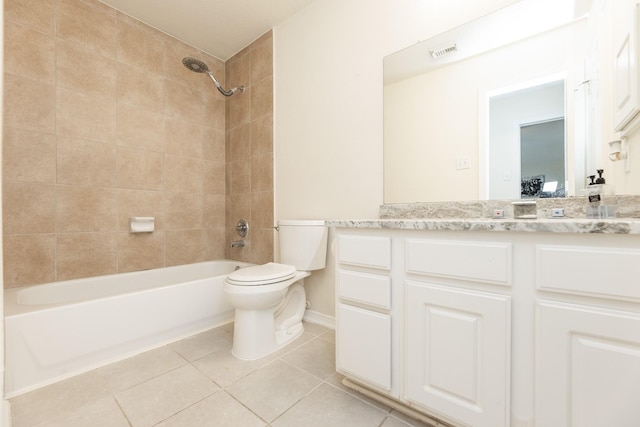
{"points": [[438, 143]]}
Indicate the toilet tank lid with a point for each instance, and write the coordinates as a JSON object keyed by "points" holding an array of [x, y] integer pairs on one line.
{"points": [[302, 222]]}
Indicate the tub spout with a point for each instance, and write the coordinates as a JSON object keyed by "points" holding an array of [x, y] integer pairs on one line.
{"points": [[237, 244]]}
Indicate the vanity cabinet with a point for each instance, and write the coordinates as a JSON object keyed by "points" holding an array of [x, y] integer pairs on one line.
{"points": [[476, 328]]}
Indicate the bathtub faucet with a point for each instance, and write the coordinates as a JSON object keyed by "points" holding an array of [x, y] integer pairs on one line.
{"points": [[237, 244]]}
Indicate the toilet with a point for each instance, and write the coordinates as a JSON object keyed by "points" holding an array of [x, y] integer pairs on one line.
{"points": [[269, 299]]}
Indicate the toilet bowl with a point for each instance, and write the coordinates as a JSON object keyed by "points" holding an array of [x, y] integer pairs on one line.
{"points": [[269, 299]]}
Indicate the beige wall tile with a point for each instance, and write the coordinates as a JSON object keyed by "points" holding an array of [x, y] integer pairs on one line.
{"points": [[140, 169], [183, 138], [29, 156], [183, 102], [86, 163], [138, 87], [240, 71], [38, 16], [174, 51], [262, 246], [213, 145], [86, 24], [29, 104], [28, 208], [262, 98], [239, 143], [183, 210], [239, 106], [86, 209], [140, 251], [183, 174], [262, 209], [85, 117], [29, 259], [238, 206], [139, 128], [214, 244], [262, 135], [261, 56], [214, 108], [84, 70], [140, 203], [183, 246], [140, 47], [213, 211], [82, 157], [240, 176], [262, 172], [214, 177], [29, 53], [86, 255]]}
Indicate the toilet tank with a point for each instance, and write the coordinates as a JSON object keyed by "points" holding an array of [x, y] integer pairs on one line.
{"points": [[303, 243]]}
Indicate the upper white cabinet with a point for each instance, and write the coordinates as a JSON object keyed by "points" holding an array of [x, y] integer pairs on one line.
{"points": [[625, 62]]}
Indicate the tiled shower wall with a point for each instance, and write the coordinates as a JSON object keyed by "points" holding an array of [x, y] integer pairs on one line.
{"points": [[249, 151], [102, 122]]}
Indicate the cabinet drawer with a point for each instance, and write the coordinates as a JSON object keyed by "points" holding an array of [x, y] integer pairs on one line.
{"points": [[366, 288], [366, 251], [597, 271], [486, 262]]}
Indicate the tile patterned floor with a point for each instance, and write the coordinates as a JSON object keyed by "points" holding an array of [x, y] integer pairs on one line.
{"points": [[196, 382]]}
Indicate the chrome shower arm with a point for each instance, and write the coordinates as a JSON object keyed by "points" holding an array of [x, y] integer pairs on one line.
{"points": [[221, 89]]}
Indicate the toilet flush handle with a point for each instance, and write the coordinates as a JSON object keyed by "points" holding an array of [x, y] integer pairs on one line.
{"points": [[242, 227]]}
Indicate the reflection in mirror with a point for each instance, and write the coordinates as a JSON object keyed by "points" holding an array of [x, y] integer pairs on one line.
{"points": [[436, 120], [527, 142]]}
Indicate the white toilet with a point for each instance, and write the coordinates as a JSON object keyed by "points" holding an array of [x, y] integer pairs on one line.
{"points": [[269, 299]]}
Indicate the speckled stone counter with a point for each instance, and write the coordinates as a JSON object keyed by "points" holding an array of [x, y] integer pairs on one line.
{"points": [[604, 226], [476, 216]]}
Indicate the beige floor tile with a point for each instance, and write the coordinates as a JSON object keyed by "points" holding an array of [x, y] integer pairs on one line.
{"points": [[271, 390], [314, 328], [316, 357], [330, 336], [58, 401], [225, 369], [220, 410], [336, 381], [101, 413], [159, 398], [137, 369], [328, 406], [203, 344]]}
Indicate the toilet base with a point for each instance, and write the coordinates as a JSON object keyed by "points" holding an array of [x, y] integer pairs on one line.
{"points": [[258, 333]]}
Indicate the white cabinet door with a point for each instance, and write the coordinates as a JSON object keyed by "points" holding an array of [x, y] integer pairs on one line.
{"points": [[625, 51], [458, 353], [363, 345], [588, 366]]}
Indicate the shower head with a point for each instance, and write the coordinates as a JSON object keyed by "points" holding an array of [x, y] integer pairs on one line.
{"points": [[198, 66], [195, 65]]}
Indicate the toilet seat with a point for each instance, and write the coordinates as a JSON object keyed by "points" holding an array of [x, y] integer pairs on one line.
{"points": [[264, 274]]}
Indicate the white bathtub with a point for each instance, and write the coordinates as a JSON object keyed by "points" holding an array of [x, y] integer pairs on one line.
{"points": [[60, 329]]}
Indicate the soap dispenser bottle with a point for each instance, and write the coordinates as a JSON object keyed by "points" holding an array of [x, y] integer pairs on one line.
{"points": [[595, 193]]}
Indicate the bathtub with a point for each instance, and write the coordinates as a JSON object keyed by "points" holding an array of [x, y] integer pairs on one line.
{"points": [[57, 330]]}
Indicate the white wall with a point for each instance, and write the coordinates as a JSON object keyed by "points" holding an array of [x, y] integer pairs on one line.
{"points": [[328, 105]]}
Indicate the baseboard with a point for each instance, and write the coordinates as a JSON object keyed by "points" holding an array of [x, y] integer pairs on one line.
{"points": [[320, 319]]}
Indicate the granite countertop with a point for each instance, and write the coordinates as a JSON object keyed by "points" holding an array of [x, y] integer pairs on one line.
{"points": [[565, 225]]}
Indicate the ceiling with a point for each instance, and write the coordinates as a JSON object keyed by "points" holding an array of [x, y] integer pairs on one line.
{"points": [[219, 27]]}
